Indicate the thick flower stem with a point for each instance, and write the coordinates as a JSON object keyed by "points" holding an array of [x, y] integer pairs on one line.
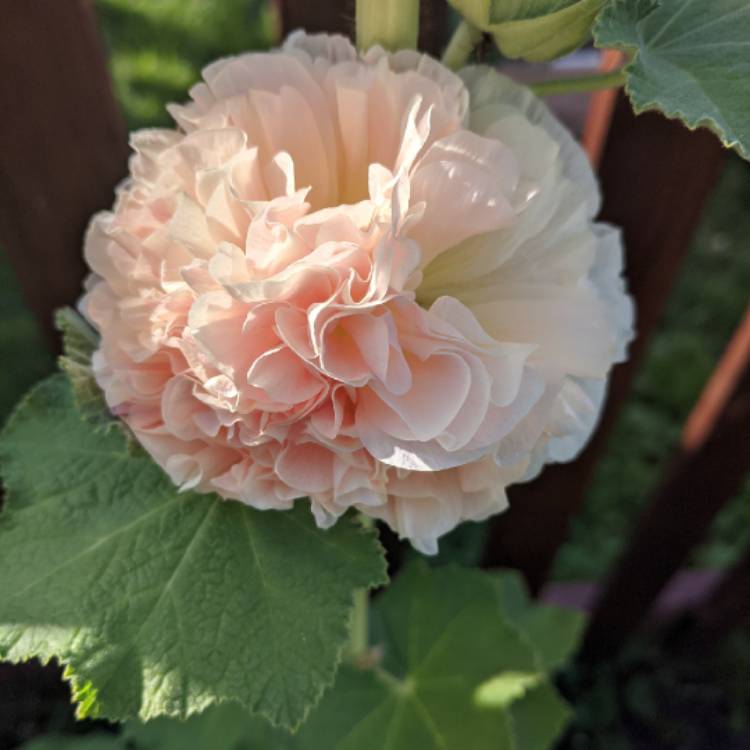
{"points": [[393, 24], [465, 38], [612, 79], [359, 636]]}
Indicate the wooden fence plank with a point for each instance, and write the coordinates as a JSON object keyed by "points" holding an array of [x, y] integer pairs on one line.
{"points": [[64, 145], [338, 16], [600, 110], [698, 484], [656, 177], [333, 16], [728, 605]]}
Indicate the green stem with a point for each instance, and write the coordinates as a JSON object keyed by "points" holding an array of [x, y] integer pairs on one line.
{"points": [[613, 79], [465, 38], [359, 637], [359, 633], [393, 24]]}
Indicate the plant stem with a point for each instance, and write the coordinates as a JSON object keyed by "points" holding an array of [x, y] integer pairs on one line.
{"points": [[393, 24], [465, 38], [612, 79], [359, 638], [359, 633]]}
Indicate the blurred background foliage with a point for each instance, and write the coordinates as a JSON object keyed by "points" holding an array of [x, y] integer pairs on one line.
{"points": [[156, 51]]}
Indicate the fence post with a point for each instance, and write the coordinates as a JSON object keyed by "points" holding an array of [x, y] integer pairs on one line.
{"points": [[656, 195], [706, 474], [727, 606], [337, 16], [64, 145]]}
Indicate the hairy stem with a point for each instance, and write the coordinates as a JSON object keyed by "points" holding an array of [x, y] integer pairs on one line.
{"points": [[612, 79], [393, 24], [465, 38], [359, 636]]}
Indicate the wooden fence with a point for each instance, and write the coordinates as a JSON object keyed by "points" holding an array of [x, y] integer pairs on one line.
{"points": [[64, 148]]}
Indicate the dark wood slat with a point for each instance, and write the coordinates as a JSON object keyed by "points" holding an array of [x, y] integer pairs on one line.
{"points": [[332, 16], [656, 177], [338, 16], [64, 145], [728, 605], [700, 481]]}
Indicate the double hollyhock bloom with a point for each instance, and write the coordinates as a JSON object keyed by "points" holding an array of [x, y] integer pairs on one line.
{"points": [[365, 280]]}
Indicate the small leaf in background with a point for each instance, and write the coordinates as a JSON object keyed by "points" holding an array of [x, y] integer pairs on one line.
{"points": [[691, 60], [162, 603], [535, 30], [80, 341]]}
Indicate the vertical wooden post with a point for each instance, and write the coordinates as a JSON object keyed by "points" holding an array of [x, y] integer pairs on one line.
{"points": [[706, 474], [337, 16], [64, 145], [728, 605], [655, 177], [332, 16]]}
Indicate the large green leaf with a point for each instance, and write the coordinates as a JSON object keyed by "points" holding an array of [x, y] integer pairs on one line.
{"points": [[451, 672], [443, 637], [691, 60], [162, 603], [534, 30]]}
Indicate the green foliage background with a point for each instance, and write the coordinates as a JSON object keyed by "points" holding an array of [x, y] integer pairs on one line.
{"points": [[157, 48]]}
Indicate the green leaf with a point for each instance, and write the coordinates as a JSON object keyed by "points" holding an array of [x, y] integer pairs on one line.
{"points": [[80, 340], [506, 688], [451, 672], [162, 603], [442, 635], [538, 717], [79, 344], [691, 60], [535, 30], [553, 631], [223, 727]]}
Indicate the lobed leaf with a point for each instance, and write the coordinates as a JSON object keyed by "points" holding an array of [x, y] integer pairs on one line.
{"points": [[162, 603], [453, 672], [444, 638], [691, 60]]}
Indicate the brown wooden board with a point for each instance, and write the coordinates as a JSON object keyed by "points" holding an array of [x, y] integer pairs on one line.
{"points": [[701, 479], [63, 145], [337, 16]]}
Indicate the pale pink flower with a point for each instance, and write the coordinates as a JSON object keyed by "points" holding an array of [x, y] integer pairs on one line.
{"points": [[362, 280]]}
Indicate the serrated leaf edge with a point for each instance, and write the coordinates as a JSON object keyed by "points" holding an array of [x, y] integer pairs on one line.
{"points": [[642, 104]]}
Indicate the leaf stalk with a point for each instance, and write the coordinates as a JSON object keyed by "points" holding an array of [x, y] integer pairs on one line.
{"points": [[578, 84], [460, 46]]}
